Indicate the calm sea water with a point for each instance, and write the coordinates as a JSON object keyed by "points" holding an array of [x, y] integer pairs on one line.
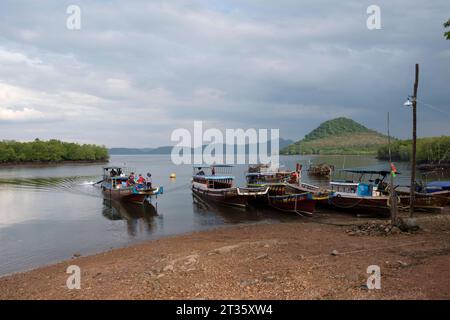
{"points": [[47, 214]]}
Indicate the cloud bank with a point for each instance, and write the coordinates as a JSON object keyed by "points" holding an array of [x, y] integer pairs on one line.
{"points": [[137, 70]]}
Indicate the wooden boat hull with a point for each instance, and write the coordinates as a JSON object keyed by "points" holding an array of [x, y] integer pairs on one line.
{"points": [[228, 197], [296, 203], [442, 194], [124, 195], [285, 197], [425, 200], [381, 204], [129, 194], [362, 205]]}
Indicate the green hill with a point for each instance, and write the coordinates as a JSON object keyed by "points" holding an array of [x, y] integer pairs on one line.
{"points": [[338, 136]]}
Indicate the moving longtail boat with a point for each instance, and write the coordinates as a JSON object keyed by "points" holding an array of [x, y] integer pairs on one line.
{"points": [[119, 184], [215, 183]]}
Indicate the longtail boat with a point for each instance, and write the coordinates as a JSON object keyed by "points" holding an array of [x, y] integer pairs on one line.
{"points": [[215, 183], [116, 184], [439, 189], [282, 194], [287, 198], [373, 194], [320, 170], [432, 194]]}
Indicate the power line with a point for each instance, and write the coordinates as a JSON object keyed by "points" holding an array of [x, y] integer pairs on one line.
{"points": [[434, 108]]}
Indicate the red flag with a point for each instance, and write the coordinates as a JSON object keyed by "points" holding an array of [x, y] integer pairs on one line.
{"points": [[393, 169]]}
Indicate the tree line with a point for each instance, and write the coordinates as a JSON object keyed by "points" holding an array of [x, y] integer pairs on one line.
{"points": [[50, 151], [429, 150]]}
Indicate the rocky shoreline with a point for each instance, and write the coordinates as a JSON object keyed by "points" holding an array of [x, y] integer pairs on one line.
{"points": [[297, 260]]}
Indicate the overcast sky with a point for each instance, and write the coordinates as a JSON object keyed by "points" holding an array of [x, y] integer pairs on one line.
{"points": [[136, 70]]}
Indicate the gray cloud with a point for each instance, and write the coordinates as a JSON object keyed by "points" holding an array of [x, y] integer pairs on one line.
{"points": [[137, 70]]}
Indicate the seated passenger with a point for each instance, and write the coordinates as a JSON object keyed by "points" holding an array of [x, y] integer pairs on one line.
{"points": [[141, 180]]}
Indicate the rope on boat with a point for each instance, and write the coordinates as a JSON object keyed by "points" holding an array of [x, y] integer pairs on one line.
{"points": [[345, 207], [299, 212]]}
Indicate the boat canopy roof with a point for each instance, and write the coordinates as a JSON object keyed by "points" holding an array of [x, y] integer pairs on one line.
{"points": [[213, 166], [214, 177], [112, 167], [260, 174], [440, 184], [366, 171], [125, 178]]}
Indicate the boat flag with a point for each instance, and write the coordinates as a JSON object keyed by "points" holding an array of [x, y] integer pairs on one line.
{"points": [[393, 170]]}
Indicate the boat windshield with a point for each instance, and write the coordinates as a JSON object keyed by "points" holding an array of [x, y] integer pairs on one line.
{"points": [[213, 170]]}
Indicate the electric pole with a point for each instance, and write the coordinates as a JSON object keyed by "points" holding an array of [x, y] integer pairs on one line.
{"points": [[413, 156]]}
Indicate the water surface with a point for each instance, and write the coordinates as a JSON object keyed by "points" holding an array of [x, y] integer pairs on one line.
{"points": [[47, 214]]}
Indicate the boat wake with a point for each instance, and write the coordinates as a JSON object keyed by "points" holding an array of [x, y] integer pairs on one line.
{"points": [[75, 185]]}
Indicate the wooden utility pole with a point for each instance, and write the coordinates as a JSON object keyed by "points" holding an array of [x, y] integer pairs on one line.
{"points": [[413, 156], [392, 193]]}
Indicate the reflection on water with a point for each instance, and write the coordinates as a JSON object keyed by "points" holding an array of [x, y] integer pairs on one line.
{"points": [[134, 215], [49, 213]]}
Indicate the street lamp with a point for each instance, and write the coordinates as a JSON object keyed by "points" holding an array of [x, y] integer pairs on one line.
{"points": [[409, 101]]}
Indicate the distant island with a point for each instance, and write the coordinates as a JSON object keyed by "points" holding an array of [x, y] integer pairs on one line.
{"points": [[51, 151], [338, 136], [168, 149], [138, 151]]}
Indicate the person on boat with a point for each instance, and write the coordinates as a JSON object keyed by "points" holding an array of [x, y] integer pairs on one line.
{"points": [[130, 181], [149, 180], [294, 177], [213, 171], [141, 180]]}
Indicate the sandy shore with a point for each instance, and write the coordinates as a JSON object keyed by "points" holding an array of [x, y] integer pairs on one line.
{"points": [[296, 260]]}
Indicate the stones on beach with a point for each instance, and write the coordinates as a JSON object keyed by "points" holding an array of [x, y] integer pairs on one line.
{"points": [[408, 225], [269, 278], [169, 267], [192, 259], [375, 229], [334, 253], [76, 255], [402, 264], [226, 249], [262, 256]]}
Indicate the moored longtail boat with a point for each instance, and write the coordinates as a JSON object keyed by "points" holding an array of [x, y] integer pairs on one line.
{"points": [[363, 195], [215, 183], [285, 197], [115, 185], [282, 195], [372, 195], [440, 189], [320, 170]]}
